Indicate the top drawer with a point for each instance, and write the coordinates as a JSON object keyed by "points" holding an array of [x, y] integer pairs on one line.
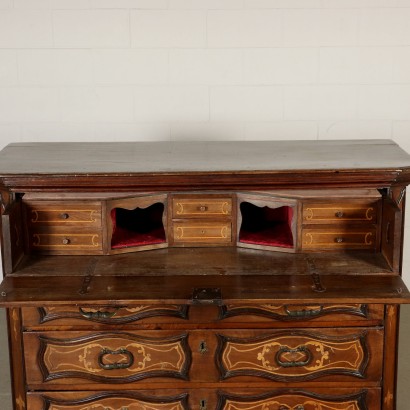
{"points": [[59, 213], [201, 206], [324, 213]]}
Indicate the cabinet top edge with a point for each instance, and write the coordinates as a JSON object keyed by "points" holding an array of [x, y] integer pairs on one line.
{"points": [[174, 157]]}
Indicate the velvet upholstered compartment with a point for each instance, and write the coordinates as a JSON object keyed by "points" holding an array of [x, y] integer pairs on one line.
{"points": [[266, 226], [137, 227]]}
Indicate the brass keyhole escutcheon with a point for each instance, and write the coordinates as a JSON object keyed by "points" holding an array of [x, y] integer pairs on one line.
{"points": [[203, 348], [202, 404]]}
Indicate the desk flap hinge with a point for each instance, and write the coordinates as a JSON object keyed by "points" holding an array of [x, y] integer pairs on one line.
{"points": [[207, 296]]}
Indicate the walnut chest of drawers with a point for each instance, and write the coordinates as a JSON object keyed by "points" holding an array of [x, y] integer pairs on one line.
{"points": [[203, 276]]}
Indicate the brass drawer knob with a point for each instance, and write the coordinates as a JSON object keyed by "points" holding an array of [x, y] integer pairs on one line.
{"points": [[339, 214], [203, 208], [66, 241], [339, 240], [64, 215]]}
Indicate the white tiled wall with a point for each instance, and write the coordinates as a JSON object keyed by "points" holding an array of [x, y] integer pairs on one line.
{"points": [[195, 69]]}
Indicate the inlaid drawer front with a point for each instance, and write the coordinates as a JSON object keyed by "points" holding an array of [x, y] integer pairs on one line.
{"points": [[316, 213], [110, 357], [192, 207], [208, 232], [66, 241], [295, 355], [65, 214], [294, 400], [349, 238], [115, 401], [294, 312], [66, 315]]}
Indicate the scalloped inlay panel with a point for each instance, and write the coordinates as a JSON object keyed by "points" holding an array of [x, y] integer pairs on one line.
{"points": [[111, 314], [115, 358], [292, 356], [293, 312], [119, 401], [292, 401]]}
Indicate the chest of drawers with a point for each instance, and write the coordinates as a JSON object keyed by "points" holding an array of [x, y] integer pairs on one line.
{"points": [[228, 276]]}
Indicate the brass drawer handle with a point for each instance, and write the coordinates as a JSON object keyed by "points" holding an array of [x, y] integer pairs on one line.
{"points": [[303, 313], [66, 241], [339, 214], [64, 215], [293, 363], [202, 208], [339, 240], [98, 314], [115, 366]]}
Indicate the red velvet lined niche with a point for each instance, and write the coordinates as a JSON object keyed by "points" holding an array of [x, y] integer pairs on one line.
{"points": [[137, 227], [266, 226]]}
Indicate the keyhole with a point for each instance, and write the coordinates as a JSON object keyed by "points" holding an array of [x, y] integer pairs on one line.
{"points": [[202, 404], [203, 348]]}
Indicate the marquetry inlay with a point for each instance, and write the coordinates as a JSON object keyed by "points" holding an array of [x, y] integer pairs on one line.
{"points": [[115, 357], [292, 402], [292, 356]]}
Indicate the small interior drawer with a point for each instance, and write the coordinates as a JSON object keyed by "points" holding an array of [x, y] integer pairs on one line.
{"points": [[319, 213], [201, 207], [339, 238], [64, 213], [66, 241], [202, 232]]}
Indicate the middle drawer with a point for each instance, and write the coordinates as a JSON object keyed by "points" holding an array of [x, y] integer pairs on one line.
{"points": [[212, 356]]}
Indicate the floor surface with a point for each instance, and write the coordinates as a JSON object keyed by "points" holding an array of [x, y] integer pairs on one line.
{"points": [[403, 377]]}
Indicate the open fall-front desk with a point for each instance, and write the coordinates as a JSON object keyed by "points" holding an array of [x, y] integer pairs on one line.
{"points": [[176, 275]]}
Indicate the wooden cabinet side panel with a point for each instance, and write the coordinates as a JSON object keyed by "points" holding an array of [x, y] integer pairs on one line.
{"points": [[17, 365]]}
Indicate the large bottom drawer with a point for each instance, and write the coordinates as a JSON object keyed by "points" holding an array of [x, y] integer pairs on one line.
{"points": [[207, 399]]}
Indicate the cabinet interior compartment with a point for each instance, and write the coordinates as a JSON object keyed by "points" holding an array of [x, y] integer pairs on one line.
{"points": [[266, 225], [137, 227]]}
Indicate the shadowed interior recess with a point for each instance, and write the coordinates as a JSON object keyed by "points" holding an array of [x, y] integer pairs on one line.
{"points": [[137, 227], [266, 226]]}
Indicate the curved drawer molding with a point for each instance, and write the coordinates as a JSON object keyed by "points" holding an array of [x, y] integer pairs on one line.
{"points": [[293, 356], [292, 401], [114, 358], [293, 312], [111, 314], [119, 401]]}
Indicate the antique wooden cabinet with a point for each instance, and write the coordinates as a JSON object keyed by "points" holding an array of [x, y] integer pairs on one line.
{"points": [[229, 276]]}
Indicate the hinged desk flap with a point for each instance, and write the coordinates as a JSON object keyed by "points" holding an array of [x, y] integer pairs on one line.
{"points": [[253, 289]]}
